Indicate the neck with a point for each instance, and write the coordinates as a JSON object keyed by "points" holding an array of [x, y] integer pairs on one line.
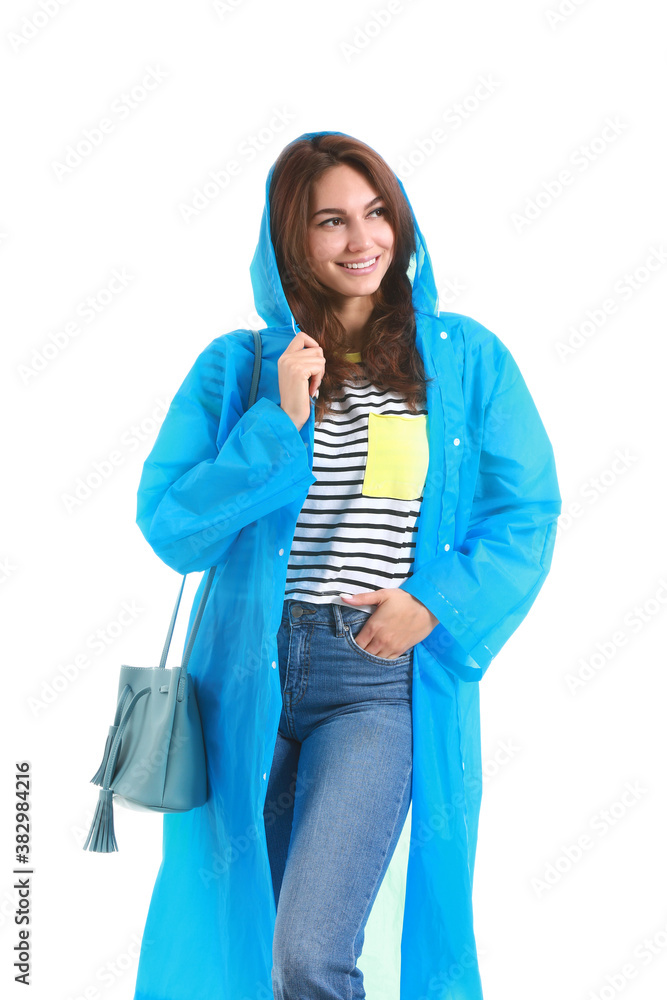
{"points": [[354, 314]]}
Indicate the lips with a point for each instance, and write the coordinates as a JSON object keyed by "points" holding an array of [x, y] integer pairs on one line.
{"points": [[366, 260]]}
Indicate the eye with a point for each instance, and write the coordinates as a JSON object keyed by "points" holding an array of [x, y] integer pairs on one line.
{"points": [[338, 219]]}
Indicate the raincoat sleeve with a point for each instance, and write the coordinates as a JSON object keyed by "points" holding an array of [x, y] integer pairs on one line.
{"points": [[481, 589], [211, 471]]}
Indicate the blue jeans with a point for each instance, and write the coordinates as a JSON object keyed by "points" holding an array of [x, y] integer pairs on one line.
{"points": [[337, 797]]}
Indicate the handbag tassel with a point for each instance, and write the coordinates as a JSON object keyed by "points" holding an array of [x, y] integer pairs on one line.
{"points": [[126, 694], [98, 777], [101, 835]]}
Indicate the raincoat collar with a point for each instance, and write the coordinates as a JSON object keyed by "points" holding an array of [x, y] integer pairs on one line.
{"points": [[270, 300]]}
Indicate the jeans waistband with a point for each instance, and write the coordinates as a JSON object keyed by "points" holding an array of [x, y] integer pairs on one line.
{"points": [[297, 612]]}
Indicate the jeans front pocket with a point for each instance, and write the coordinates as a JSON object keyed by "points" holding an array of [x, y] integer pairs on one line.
{"points": [[371, 656], [398, 456]]}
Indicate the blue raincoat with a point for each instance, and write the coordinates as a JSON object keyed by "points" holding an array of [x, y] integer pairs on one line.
{"points": [[224, 486]]}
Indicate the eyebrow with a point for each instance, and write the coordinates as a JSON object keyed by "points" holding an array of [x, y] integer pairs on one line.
{"points": [[341, 211]]}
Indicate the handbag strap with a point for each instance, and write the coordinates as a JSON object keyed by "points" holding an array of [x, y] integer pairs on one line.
{"points": [[257, 340]]}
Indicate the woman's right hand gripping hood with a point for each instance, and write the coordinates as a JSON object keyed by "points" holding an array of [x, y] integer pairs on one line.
{"points": [[216, 467]]}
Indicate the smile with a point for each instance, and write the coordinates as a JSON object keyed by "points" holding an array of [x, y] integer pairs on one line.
{"points": [[367, 265]]}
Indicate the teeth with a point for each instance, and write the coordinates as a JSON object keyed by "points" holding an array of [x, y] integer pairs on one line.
{"points": [[369, 263]]}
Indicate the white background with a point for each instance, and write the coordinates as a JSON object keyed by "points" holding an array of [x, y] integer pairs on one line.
{"points": [[554, 757]]}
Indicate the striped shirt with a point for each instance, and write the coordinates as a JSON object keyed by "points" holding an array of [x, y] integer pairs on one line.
{"points": [[356, 530]]}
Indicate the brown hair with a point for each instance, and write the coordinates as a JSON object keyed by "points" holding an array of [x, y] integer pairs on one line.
{"points": [[390, 357]]}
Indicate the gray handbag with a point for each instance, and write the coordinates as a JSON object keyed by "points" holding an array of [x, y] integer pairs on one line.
{"points": [[154, 758]]}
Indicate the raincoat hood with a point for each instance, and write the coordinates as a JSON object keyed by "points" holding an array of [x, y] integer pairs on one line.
{"points": [[270, 300], [223, 486]]}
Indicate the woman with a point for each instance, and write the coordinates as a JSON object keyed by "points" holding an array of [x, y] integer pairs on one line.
{"points": [[394, 454]]}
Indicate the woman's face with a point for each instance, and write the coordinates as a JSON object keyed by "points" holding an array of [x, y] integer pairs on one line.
{"points": [[347, 223]]}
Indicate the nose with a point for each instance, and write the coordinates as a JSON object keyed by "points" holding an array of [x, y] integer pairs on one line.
{"points": [[358, 237]]}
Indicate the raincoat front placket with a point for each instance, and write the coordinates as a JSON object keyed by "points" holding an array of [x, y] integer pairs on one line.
{"points": [[438, 949], [438, 901]]}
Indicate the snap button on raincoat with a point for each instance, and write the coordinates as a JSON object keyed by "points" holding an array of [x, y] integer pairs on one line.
{"points": [[224, 486]]}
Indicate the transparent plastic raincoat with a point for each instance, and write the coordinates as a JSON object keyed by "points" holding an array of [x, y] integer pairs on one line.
{"points": [[224, 486]]}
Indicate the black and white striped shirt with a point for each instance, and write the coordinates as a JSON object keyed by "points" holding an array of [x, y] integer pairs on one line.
{"points": [[353, 533]]}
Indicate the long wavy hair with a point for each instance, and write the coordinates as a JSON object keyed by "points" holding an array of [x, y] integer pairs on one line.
{"points": [[390, 356]]}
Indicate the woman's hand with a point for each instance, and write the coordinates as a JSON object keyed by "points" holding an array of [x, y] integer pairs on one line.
{"points": [[302, 361], [399, 622]]}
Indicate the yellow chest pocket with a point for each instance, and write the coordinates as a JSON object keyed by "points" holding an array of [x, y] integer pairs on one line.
{"points": [[397, 458]]}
